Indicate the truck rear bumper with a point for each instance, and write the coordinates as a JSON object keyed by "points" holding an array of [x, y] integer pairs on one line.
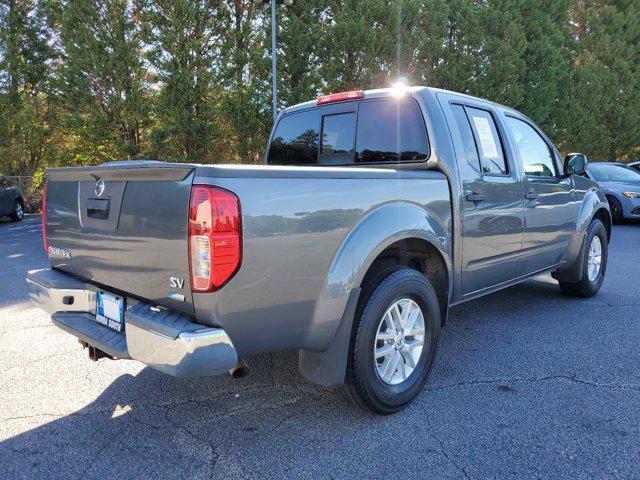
{"points": [[167, 341]]}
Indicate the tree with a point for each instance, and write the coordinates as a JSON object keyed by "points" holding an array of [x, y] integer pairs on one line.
{"points": [[190, 80], [27, 119], [358, 45], [243, 72], [102, 77], [546, 77], [605, 121], [183, 42], [301, 28]]}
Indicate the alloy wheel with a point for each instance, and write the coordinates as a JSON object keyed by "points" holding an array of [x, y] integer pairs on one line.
{"points": [[594, 260], [399, 341]]}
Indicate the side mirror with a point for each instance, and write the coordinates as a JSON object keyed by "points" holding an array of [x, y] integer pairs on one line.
{"points": [[575, 163]]}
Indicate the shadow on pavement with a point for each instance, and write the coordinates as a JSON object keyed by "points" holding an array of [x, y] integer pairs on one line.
{"points": [[151, 424]]}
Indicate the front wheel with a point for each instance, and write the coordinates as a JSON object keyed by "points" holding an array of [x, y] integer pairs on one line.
{"points": [[594, 263], [393, 343], [18, 211]]}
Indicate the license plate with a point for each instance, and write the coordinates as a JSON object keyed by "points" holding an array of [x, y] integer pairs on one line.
{"points": [[110, 311]]}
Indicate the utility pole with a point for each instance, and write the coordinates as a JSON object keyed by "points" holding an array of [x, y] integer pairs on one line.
{"points": [[274, 72]]}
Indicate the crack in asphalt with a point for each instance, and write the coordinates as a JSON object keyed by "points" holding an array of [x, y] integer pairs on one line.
{"points": [[188, 428], [276, 400], [553, 304], [251, 406], [303, 394], [25, 417], [443, 450], [94, 457], [570, 378], [36, 360], [213, 455], [99, 411], [271, 369], [20, 328]]}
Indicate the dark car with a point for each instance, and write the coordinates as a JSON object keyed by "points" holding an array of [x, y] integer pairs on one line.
{"points": [[621, 186], [11, 202]]}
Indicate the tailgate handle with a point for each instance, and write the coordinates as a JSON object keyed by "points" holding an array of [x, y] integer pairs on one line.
{"points": [[98, 208]]}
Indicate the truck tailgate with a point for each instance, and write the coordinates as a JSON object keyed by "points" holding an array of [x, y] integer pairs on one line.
{"points": [[123, 226]]}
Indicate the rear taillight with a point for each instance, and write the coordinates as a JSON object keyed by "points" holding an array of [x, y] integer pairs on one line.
{"points": [[215, 237], [44, 218]]}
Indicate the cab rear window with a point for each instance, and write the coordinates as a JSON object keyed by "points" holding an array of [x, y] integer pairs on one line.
{"points": [[390, 131], [373, 132], [338, 132], [295, 141]]}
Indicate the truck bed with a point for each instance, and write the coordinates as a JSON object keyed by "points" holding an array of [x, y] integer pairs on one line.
{"points": [[295, 221]]}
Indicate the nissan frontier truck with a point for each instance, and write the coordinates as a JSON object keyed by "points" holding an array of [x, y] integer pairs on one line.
{"points": [[374, 213]]}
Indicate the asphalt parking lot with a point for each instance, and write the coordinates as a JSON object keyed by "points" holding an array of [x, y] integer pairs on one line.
{"points": [[528, 383]]}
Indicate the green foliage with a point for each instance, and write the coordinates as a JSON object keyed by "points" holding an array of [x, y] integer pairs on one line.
{"points": [[300, 28], [546, 78], [357, 45], [183, 37], [243, 74], [27, 118], [606, 79], [83, 82], [101, 77]]}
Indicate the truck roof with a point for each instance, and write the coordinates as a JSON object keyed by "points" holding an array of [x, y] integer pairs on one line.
{"points": [[391, 92]]}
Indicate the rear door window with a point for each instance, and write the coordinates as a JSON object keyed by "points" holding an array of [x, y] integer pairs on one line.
{"points": [[296, 139], [467, 136], [492, 159], [390, 131]]}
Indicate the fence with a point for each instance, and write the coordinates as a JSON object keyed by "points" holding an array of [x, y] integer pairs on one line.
{"points": [[31, 187]]}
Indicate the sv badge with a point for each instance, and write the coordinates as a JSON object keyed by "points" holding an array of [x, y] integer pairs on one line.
{"points": [[176, 282]]}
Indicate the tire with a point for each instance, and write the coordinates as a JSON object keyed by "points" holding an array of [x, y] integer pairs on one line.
{"points": [[18, 211], [617, 215], [364, 384], [589, 284]]}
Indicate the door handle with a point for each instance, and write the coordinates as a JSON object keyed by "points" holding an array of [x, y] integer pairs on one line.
{"points": [[476, 197], [531, 194]]}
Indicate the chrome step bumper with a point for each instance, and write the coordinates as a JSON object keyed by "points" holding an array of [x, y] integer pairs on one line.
{"points": [[167, 341]]}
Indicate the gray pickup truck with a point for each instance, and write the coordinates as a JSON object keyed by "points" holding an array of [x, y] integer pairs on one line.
{"points": [[376, 211]]}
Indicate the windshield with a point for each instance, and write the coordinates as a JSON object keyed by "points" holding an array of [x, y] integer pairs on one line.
{"points": [[613, 173]]}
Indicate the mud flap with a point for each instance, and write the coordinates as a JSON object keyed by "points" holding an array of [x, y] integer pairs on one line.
{"points": [[572, 273], [327, 368]]}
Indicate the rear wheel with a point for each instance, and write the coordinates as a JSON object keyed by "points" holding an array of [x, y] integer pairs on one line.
{"points": [[18, 211], [393, 343], [594, 263], [617, 215]]}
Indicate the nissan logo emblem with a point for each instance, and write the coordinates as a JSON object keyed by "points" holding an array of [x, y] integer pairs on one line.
{"points": [[100, 186]]}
